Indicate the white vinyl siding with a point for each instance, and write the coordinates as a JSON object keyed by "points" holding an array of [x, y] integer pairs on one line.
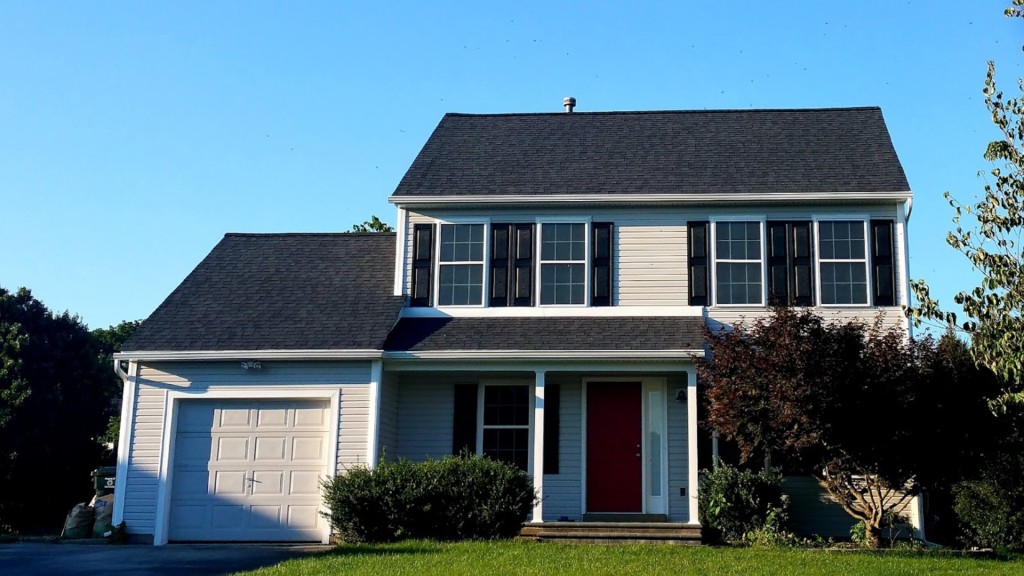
{"points": [[155, 380], [678, 461], [650, 264]]}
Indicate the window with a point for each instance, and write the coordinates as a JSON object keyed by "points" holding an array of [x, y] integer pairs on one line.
{"points": [[461, 265], [842, 264], [506, 424], [738, 265], [563, 263]]}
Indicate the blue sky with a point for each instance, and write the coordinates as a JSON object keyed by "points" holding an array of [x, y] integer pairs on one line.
{"points": [[133, 135]]}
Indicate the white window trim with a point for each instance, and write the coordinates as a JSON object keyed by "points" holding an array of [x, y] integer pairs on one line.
{"points": [[485, 287], [713, 250], [480, 427], [587, 260], [865, 220]]}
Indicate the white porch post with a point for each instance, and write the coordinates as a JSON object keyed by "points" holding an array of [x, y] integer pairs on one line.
{"points": [[538, 444], [373, 427], [691, 437]]}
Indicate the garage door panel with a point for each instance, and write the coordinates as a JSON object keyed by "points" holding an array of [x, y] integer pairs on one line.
{"points": [[263, 516], [311, 417], [194, 450], [191, 482], [228, 516], [261, 479], [229, 483], [232, 449], [307, 449], [268, 482], [197, 419], [303, 516], [272, 417], [235, 418], [304, 482], [271, 448], [188, 517]]}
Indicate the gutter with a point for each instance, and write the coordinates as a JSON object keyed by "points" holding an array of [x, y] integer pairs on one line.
{"points": [[416, 201], [167, 355], [611, 355]]}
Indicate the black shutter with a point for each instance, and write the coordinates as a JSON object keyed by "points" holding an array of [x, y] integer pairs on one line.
{"points": [[552, 409], [778, 263], [790, 263], [698, 250], [422, 264], [500, 270], [601, 263], [802, 261], [521, 250], [882, 270], [464, 423]]}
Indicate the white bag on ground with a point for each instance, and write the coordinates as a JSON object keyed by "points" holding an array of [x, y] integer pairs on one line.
{"points": [[104, 514]]}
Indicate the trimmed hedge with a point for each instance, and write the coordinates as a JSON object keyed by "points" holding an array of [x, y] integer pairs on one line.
{"points": [[455, 498]]}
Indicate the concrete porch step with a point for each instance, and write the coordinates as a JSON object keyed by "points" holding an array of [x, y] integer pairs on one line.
{"points": [[613, 532]]}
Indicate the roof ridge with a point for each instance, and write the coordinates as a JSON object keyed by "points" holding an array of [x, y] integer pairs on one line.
{"points": [[704, 111], [302, 234]]}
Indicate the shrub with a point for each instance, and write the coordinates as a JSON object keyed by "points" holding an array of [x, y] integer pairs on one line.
{"points": [[991, 507], [454, 498], [735, 502]]}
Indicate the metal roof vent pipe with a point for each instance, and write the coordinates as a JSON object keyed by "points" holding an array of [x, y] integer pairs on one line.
{"points": [[569, 102]]}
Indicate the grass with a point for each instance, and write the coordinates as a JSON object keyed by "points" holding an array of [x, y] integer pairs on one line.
{"points": [[419, 558]]}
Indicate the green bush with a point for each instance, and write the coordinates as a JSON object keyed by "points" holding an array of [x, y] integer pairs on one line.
{"points": [[991, 507], [735, 503], [454, 498]]}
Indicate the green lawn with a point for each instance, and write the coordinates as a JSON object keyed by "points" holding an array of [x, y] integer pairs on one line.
{"points": [[523, 558]]}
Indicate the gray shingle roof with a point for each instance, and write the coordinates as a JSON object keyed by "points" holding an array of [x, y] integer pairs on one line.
{"points": [[560, 333], [672, 152], [280, 292]]}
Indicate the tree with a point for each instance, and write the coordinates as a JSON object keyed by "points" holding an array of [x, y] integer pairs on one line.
{"points": [[52, 410], [374, 224], [110, 341], [839, 400], [993, 245]]}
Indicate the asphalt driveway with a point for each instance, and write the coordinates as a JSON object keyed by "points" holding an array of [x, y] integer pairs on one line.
{"points": [[174, 559]]}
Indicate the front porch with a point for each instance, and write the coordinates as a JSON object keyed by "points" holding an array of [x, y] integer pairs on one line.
{"points": [[611, 446]]}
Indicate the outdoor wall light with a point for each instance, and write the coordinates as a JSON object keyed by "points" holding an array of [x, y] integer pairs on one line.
{"points": [[681, 395]]}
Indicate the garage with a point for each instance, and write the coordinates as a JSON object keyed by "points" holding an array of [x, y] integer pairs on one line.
{"points": [[249, 470]]}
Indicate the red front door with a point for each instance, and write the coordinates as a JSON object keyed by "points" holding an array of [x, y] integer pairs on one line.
{"points": [[614, 465]]}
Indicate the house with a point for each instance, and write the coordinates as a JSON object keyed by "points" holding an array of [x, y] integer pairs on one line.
{"points": [[541, 302]]}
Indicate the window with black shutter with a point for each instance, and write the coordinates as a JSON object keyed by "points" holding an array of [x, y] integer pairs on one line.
{"points": [[422, 264], [882, 269], [601, 264], [698, 251]]}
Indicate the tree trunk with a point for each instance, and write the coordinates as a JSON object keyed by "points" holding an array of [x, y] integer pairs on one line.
{"points": [[872, 536]]}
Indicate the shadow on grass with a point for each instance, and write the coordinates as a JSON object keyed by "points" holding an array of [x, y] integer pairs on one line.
{"points": [[357, 550]]}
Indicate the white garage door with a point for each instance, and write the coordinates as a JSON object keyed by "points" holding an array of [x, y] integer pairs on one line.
{"points": [[249, 470]]}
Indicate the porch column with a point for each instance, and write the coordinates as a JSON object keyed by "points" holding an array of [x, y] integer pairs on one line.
{"points": [[538, 444], [691, 440], [373, 424]]}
